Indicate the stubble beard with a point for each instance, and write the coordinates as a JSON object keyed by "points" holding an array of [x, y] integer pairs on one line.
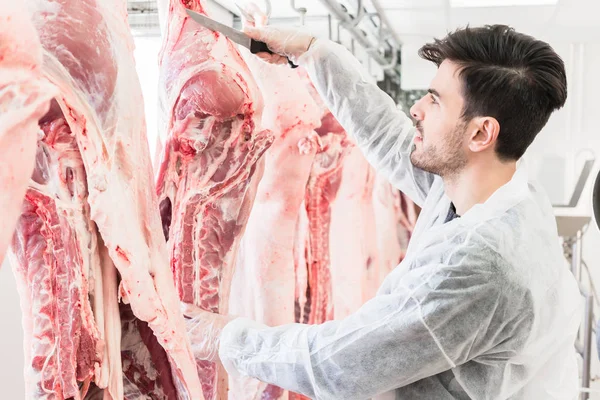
{"points": [[447, 160]]}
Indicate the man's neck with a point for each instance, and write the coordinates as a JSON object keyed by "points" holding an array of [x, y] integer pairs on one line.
{"points": [[477, 182]]}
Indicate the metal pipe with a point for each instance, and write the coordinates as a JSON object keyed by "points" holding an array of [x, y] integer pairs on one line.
{"points": [[360, 13], [576, 257], [393, 61], [385, 21], [334, 7], [300, 10], [576, 270], [587, 344], [340, 13], [579, 252]]}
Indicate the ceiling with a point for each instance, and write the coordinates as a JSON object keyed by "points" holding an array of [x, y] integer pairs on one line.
{"points": [[569, 20], [418, 20]]}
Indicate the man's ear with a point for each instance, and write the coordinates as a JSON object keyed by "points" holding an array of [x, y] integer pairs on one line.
{"points": [[485, 133]]}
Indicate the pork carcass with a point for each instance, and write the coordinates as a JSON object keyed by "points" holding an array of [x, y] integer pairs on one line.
{"points": [[90, 208], [371, 223], [313, 294], [353, 245], [24, 98], [321, 190], [312, 241], [211, 164], [392, 235], [264, 284], [301, 246], [409, 213], [395, 219]]}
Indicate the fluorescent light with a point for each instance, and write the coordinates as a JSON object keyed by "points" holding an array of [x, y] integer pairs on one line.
{"points": [[500, 3]]}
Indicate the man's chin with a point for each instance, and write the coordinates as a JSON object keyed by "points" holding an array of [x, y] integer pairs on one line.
{"points": [[416, 162], [414, 157]]}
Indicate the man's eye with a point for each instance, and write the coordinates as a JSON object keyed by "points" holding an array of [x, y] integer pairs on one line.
{"points": [[433, 100]]}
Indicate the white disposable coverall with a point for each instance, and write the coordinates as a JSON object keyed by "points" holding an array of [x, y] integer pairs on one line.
{"points": [[482, 307]]}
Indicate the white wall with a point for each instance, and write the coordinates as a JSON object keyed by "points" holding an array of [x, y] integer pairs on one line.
{"points": [[146, 59]]}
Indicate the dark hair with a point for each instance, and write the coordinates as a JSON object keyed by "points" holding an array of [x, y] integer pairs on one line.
{"points": [[507, 75]]}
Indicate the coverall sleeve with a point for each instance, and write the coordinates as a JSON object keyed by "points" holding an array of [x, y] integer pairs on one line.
{"points": [[435, 319], [382, 131]]}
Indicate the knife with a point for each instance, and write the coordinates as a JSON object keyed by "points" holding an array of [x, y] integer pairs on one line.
{"points": [[234, 35]]}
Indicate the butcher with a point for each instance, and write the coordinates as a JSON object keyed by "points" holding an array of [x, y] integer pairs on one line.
{"points": [[482, 306]]}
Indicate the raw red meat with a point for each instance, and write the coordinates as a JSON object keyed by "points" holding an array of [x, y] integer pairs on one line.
{"points": [[63, 343], [369, 228], [409, 212], [390, 244], [90, 208], [301, 245], [311, 251], [264, 278], [322, 188], [353, 244], [210, 111]]}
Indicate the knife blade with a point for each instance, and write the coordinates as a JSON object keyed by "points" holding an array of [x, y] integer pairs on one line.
{"points": [[255, 46]]}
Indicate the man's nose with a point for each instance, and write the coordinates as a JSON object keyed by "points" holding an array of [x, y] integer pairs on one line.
{"points": [[416, 112]]}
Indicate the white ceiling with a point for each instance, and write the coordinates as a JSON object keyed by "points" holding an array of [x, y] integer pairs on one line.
{"points": [[569, 20], [418, 20]]}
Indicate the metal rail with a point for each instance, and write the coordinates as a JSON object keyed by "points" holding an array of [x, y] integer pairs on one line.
{"points": [[348, 22], [572, 250], [300, 10]]}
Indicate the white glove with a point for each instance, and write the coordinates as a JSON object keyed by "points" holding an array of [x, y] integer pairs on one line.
{"points": [[286, 43], [204, 330]]}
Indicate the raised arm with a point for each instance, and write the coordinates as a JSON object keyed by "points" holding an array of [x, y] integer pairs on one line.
{"points": [[382, 131]]}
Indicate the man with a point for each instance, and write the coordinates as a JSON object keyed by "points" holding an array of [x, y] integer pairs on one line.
{"points": [[482, 307]]}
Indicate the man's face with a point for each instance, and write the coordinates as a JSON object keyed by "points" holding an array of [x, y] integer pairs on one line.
{"points": [[439, 145]]}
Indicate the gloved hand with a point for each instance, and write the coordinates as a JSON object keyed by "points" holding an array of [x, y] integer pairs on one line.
{"points": [[204, 330], [285, 42]]}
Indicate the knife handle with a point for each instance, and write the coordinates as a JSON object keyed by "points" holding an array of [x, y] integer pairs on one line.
{"points": [[257, 46]]}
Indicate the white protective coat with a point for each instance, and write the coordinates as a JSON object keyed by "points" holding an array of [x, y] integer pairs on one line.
{"points": [[482, 307]]}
